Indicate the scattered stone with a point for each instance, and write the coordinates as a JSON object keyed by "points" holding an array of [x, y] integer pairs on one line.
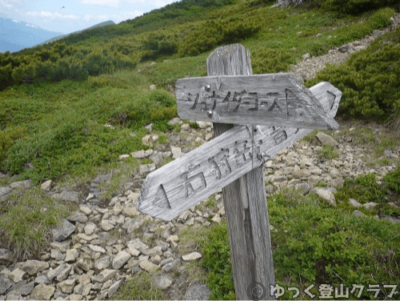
{"points": [[107, 225], [75, 297], [57, 255], [176, 152], [77, 217], [46, 186], [24, 289], [17, 275], [90, 228], [354, 203], [71, 255], [174, 121], [102, 263], [146, 140], [358, 213], [130, 211], [97, 249], [153, 87], [7, 255], [4, 193], [85, 209], [5, 284], [192, 256], [148, 266], [63, 231], [113, 288], [204, 125], [370, 206], [105, 275], [306, 56], [33, 267], [149, 127], [42, 292], [123, 157], [325, 194], [326, 139], [67, 286], [67, 196], [21, 184], [119, 260], [391, 219], [145, 169], [197, 291], [217, 219], [138, 155], [162, 281]]}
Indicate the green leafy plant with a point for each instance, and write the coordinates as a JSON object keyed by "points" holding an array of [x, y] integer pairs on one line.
{"points": [[328, 152]]}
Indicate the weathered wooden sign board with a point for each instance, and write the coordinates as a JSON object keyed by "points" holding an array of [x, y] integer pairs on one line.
{"points": [[269, 99], [276, 111], [194, 176]]}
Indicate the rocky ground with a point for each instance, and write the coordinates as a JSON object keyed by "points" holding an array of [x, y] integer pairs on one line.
{"points": [[107, 241]]}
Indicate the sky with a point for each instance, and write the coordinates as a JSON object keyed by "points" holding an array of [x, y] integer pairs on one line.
{"points": [[66, 16]]}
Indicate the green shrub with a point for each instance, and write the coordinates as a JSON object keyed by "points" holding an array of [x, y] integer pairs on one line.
{"points": [[315, 244], [7, 140], [268, 60], [328, 152], [357, 6], [393, 180], [217, 260], [369, 80]]}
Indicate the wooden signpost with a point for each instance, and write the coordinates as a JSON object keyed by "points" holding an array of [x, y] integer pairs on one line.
{"points": [[270, 99], [234, 159]]}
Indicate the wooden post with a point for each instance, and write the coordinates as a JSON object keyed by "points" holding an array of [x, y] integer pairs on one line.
{"points": [[245, 201]]}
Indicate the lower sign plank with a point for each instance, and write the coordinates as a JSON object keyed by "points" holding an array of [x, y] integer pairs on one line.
{"points": [[268, 99], [183, 183]]}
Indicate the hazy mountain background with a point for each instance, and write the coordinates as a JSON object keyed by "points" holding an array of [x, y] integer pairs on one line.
{"points": [[16, 35]]}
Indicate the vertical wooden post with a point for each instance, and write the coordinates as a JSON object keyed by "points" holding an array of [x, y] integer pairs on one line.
{"points": [[245, 201]]}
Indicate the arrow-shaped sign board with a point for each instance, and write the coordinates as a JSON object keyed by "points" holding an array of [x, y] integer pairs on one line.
{"points": [[191, 178], [267, 99]]}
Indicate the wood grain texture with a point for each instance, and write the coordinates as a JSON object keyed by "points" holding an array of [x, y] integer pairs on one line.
{"points": [[194, 176], [245, 199], [179, 185], [268, 99]]}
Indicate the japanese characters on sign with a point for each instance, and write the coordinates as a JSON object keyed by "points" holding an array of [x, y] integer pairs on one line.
{"points": [[269, 99], [175, 187]]}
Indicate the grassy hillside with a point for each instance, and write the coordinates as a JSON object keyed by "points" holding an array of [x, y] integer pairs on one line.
{"points": [[60, 123]]}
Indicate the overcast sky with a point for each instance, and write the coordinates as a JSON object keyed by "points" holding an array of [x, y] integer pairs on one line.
{"points": [[66, 16]]}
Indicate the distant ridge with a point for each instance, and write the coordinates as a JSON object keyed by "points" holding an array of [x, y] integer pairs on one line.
{"points": [[102, 24], [16, 35]]}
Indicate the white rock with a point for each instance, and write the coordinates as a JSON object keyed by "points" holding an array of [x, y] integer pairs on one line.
{"points": [[46, 185], [107, 225], [119, 260], [17, 275], [176, 152], [204, 125], [192, 256], [97, 249], [327, 195], [138, 155], [217, 219], [148, 266], [105, 275], [354, 203], [85, 209], [121, 158], [370, 206], [174, 238], [71, 255]]}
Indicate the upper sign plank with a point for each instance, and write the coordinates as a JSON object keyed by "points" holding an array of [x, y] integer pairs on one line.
{"points": [[191, 178], [268, 99]]}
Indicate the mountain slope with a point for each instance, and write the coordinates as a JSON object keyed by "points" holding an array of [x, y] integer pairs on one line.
{"points": [[16, 35]]}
